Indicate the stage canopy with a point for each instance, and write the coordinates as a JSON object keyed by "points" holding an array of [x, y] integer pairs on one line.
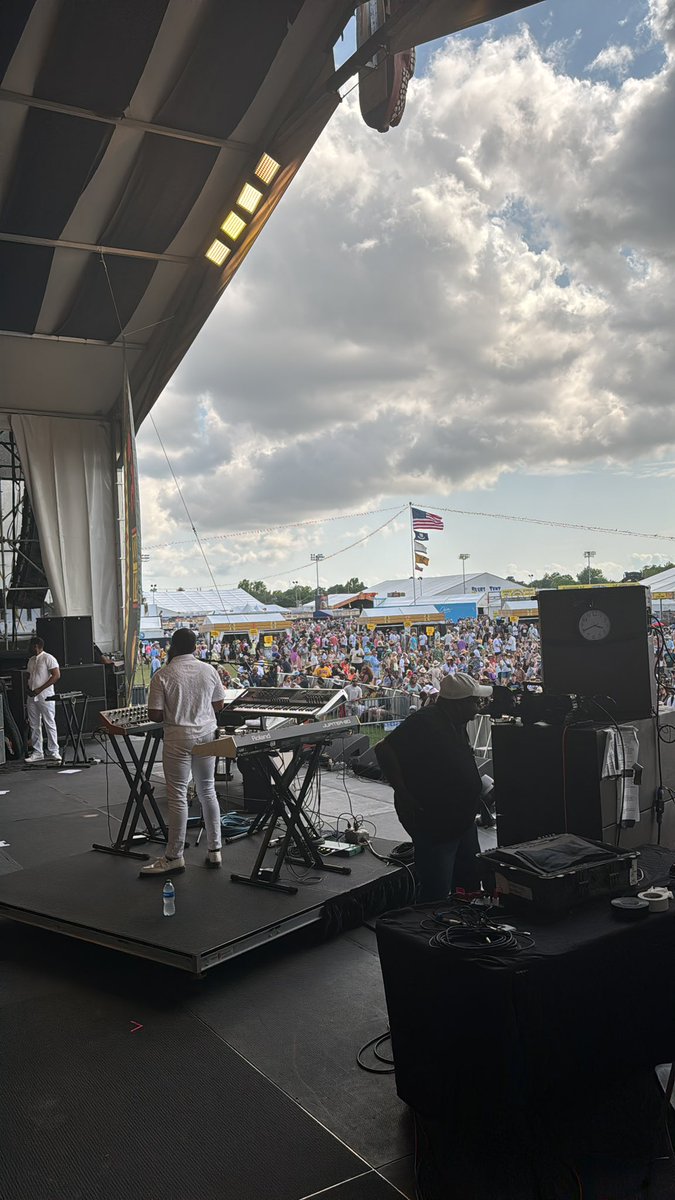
{"points": [[145, 143]]}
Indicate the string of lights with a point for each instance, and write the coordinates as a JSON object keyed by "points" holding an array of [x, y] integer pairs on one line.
{"points": [[240, 533], [467, 512], [292, 570]]}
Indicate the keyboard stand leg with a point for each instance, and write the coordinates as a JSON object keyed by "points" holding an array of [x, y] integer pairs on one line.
{"points": [[140, 791], [287, 807]]}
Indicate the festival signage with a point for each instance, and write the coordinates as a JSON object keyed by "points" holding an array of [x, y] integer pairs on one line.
{"points": [[268, 639], [132, 540], [663, 595], [523, 593]]}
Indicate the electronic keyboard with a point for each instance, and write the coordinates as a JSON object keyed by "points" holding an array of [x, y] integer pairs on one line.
{"points": [[287, 738], [300, 703]]}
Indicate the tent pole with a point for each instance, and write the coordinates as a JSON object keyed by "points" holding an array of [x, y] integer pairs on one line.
{"points": [[412, 551]]}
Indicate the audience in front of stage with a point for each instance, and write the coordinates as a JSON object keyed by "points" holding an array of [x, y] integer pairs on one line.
{"points": [[409, 663]]}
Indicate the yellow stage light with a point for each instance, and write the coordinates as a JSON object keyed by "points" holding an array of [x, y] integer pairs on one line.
{"points": [[267, 169], [249, 198], [233, 225], [217, 253]]}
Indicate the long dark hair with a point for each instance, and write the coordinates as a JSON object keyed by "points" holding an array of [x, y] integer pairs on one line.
{"points": [[183, 641]]}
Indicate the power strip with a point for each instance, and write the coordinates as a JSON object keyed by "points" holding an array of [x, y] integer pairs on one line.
{"points": [[346, 849], [357, 837]]}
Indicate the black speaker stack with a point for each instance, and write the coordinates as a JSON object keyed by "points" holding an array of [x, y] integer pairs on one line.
{"points": [[89, 678], [69, 639]]}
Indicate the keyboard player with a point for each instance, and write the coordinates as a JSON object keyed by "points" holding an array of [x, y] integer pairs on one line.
{"points": [[184, 695]]}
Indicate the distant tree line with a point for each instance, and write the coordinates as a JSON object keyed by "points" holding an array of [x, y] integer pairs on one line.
{"points": [[556, 580], [298, 594]]}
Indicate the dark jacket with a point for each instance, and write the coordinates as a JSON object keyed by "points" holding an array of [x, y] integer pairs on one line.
{"points": [[440, 774]]}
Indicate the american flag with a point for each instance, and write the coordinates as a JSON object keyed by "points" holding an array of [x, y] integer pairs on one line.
{"points": [[425, 520]]}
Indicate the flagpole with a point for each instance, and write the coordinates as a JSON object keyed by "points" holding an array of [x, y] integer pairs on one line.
{"points": [[412, 551]]}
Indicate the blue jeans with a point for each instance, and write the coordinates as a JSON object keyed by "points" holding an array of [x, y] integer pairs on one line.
{"points": [[443, 866]]}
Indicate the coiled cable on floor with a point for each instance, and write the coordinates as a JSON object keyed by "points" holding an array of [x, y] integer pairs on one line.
{"points": [[376, 1043]]}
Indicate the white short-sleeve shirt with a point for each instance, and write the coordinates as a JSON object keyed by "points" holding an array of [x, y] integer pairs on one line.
{"points": [[40, 667], [185, 690]]}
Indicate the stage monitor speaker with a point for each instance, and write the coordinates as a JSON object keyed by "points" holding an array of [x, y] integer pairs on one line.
{"points": [[595, 642], [69, 639], [342, 749], [366, 765]]}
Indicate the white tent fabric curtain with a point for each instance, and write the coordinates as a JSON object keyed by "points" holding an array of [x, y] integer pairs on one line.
{"points": [[70, 474]]}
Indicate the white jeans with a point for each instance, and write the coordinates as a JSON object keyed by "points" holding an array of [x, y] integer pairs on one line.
{"points": [[42, 712], [178, 765]]}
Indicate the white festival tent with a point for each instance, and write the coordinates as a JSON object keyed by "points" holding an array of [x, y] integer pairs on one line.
{"points": [[145, 144], [203, 601]]}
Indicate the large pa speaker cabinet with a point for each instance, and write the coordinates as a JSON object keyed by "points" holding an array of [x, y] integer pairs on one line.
{"points": [[549, 779], [594, 642], [69, 639], [89, 679]]}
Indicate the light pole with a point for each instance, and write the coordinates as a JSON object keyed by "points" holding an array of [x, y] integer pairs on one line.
{"points": [[317, 558], [588, 555], [295, 584], [463, 558]]}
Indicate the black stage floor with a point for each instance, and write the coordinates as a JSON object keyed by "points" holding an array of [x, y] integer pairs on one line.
{"points": [[122, 1076], [99, 898], [267, 1042]]}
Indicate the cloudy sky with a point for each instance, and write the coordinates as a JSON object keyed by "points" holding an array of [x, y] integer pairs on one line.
{"points": [[473, 311]]}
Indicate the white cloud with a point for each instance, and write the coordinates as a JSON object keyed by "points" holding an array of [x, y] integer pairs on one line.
{"points": [[486, 291], [613, 60]]}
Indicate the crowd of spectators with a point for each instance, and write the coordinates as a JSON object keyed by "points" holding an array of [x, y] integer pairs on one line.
{"points": [[379, 664]]}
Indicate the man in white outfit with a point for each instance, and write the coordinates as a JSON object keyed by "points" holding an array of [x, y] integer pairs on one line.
{"points": [[43, 672], [184, 695]]}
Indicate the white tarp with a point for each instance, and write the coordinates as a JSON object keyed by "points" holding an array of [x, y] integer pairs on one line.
{"points": [[70, 474]]}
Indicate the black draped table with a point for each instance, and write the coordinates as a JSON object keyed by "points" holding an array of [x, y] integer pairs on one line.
{"points": [[592, 1000]]}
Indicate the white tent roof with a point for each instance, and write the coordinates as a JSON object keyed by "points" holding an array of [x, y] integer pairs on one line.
{"points": [[242, 621], [477, 598], [199, 601], [433, 586], [407, 612], [664, 582]]}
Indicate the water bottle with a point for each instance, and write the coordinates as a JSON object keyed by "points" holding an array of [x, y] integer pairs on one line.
{"points": [[169, 898]]}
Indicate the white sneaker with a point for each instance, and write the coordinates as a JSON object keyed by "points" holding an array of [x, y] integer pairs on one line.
{"points": [[213, 858], [163, 866], [55, 758], [34, 757]]}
